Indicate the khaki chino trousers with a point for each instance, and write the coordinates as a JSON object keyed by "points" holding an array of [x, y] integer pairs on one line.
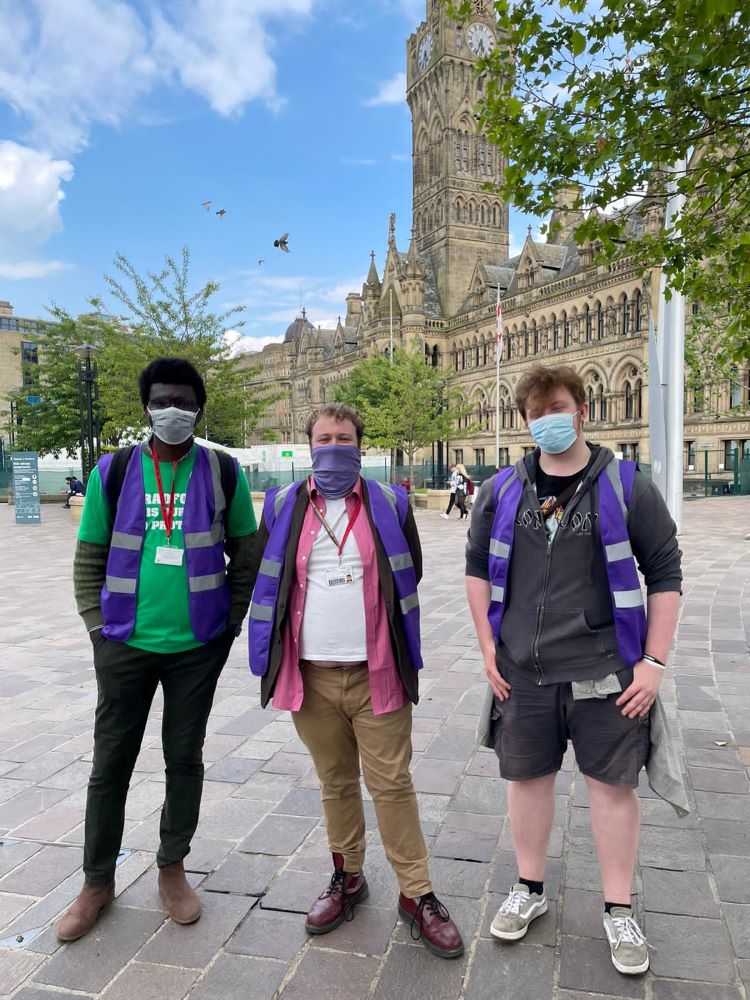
{"points": [[337, 725]]}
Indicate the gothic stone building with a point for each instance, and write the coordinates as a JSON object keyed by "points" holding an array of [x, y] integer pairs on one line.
{"points": [[558, 305]]}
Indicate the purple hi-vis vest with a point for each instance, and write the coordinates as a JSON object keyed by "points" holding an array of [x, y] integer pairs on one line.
{"points": [[388, 507], [203, 538], [615, 490]]}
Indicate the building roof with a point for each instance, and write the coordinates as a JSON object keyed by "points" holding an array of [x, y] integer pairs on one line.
{"points": [[297, 328]]}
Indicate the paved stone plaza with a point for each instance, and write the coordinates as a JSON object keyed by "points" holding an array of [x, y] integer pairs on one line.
{"points": [[260, 854]]}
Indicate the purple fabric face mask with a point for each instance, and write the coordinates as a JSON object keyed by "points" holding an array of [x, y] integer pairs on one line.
{"points": [[336, 469]]}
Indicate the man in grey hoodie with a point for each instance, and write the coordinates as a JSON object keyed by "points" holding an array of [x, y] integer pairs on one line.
{"points": [[568, 649]]}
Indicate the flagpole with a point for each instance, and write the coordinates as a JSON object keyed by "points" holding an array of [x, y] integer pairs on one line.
{"points": [[498, 351]]}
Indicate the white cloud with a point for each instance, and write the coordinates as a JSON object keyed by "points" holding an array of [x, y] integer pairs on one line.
{"points": [[364, 162], [391, 91], [74, 64], [71, 64], [221, 49], [339, 292], [401, 157], [30, 197], [247, 344]]}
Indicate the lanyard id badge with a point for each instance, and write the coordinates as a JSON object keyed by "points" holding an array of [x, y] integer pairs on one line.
{"points": [[331, 534], [340, 575], [167, 555]]}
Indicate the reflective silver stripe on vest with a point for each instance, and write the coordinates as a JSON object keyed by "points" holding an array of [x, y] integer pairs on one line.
{"points": [[204, 539], [628, 598], [612, 469], [269, 567], [261, 612], [211, 581], [402, 561], [408, 603], [497, 594], [120, 585], [499, 549], [280, 498], [122, 540], [389, 494], [618, 551], [219, 498]]}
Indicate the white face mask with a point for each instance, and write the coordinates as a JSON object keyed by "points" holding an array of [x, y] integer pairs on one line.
{"points": [[173, 425]]}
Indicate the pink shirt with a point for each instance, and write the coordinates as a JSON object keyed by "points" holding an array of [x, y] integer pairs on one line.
{"points": [[386, 689]]}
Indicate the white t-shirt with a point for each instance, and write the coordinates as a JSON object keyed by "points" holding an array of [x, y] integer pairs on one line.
{"points": [[333, 620]]}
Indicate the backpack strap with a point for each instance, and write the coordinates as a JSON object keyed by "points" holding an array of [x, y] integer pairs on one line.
{"points": [[116, 477], [229, 471]]}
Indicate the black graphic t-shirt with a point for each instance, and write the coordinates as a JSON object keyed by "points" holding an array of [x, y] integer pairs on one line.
{"points": [[549, 488]]}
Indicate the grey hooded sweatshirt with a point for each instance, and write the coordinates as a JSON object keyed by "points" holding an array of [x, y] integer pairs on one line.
{"points": [[559, 621]]}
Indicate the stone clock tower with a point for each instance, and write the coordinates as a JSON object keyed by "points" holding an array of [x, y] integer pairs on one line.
{"points": [[455, 219]]}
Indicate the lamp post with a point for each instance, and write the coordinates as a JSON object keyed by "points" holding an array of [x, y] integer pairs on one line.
{"points": [[88, 396]]}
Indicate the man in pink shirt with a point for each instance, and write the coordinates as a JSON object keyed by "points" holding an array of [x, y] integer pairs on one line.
{"points": [[334, 634]]}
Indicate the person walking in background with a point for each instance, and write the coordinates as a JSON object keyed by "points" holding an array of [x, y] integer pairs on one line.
{"points": [[462, 486], [161, 606], [452, 500], [334, 635]]}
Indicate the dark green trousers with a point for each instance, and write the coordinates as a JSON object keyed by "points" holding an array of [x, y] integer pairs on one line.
{"points": [[127, 679]]}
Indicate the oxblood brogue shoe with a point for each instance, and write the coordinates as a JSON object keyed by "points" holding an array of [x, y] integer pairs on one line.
{"points": [[431, 922], [336, 903]]}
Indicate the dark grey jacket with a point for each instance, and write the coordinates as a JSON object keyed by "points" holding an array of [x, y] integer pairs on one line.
{"points": [[558, 620]]}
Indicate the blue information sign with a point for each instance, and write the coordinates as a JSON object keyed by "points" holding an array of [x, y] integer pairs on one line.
{"points": [[26, 487]]}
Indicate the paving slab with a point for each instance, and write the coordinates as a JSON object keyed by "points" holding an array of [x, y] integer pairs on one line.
{"points": [[261, 828]]}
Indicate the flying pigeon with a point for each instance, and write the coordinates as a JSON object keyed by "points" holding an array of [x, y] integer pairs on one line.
{"points": [[222, 211], [261, 262], [281, 243], [206, 205]]}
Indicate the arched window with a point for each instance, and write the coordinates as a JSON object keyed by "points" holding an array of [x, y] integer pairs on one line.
{"points": [[555, 334], [602, 404], [535, 337], [587, 323], [566, 330], [592, 405], [637, 309], [599, 322], [494, 215], [624, 316], [637, 400], [628, 401]]}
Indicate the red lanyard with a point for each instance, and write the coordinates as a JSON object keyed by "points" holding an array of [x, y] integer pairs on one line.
{"points": [[167, 514], [329, 530]]}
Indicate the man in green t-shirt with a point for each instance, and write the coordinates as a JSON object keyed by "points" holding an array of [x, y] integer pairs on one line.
{"points": [[161, 605]]}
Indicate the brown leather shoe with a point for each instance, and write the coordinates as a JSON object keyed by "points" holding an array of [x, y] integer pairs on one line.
{"points": [[84, 912], [431, 922], [178, 895], [336, 904]]}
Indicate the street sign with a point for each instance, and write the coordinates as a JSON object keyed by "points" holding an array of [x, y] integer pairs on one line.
{"points": [[33, 400], [287, 454], [26, 487]]}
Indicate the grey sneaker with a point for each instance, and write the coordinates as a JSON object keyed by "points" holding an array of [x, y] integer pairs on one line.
{"points": [[627, 944], [516, 913]]}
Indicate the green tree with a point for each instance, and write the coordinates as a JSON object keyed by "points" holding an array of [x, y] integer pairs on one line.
{"points": [[404, 403], [162, 318], [613, 97], [47, 406]]}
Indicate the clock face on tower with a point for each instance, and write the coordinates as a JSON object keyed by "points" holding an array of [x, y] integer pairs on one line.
{"points": [[480, 39], [425, 51]]}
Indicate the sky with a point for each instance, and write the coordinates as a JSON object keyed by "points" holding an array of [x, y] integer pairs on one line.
{"points": [[119, 118]]}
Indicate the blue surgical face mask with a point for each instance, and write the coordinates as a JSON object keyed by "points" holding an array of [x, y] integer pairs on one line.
{"points": [[554, 433]]}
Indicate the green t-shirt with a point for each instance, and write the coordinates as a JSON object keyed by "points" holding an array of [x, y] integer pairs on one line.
{"points": [[162, 618]]}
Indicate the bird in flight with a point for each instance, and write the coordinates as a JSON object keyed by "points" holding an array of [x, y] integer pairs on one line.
{"points": [[281, 243], [206, 205], [261, 262], [222, 211]]}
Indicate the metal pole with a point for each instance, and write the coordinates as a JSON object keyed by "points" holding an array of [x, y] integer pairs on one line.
{"points": [[82, 421], [89, 414], [705, 472], [674, 346], [498, 349]]}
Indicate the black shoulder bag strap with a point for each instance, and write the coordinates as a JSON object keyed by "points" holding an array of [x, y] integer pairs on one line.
{"points": [[116, 477], [229, 473]]}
